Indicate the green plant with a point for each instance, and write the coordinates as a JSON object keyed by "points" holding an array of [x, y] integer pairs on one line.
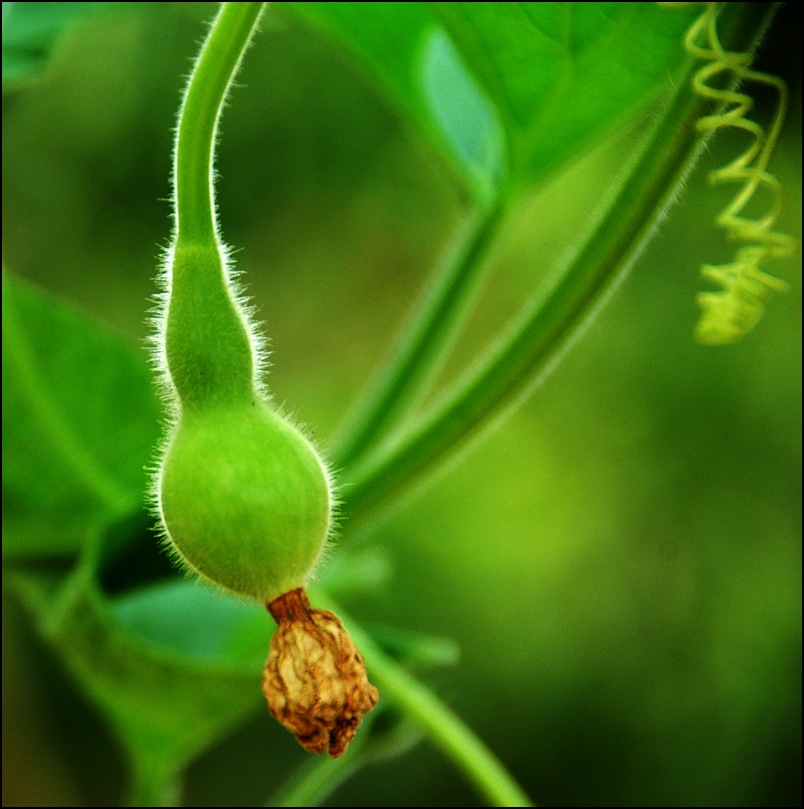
{"points": [[731, 312], [244, 498], [171, 666]]}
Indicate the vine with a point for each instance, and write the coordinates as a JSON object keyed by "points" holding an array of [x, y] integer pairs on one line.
{"points": [[732, 311]]}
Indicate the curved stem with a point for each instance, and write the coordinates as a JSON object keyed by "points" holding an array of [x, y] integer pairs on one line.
{"points": [[446, 729], [152, 786], [317, 782], [320, 777], [425, 341], [198, 120], [573, 295], [209, 345]]}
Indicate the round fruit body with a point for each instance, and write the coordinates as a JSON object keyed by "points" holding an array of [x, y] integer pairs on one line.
{"points": [[245, 499]]}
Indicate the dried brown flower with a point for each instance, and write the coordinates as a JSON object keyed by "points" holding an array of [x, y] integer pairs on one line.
{"points": [[315, 679]]}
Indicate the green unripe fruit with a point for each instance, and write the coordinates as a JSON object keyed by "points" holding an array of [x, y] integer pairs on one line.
{"points": [[245, 500], [242, 495]]}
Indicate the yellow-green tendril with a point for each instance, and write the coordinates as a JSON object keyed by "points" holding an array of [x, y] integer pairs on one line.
{"points": [[733, 310]]}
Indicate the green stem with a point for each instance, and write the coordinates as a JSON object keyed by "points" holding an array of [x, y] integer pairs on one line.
{"points": [[447, 730], [426, 340], [569, 300], [208, 345], [320, 777], [153, 788], [200, 112], [317, 782]]}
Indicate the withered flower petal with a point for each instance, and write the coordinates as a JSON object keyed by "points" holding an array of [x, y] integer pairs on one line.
{"points": [[315, 679]]}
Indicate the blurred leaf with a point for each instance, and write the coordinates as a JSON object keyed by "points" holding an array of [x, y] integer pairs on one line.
{"points": [[562, 75], [421, 72], [31, 30], [415, 649], [196, 623], [80, 420], [192, 621], [555, 77], [361, 571], [166, 701]]}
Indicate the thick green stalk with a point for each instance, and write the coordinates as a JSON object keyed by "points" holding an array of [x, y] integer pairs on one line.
{"points": [[208, 347], [572, 296]]}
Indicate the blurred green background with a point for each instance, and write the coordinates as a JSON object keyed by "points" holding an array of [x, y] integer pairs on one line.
{"points": [[620, 562]]}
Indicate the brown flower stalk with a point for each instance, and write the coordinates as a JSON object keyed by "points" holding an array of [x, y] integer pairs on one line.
{"points": [[315, 679]]}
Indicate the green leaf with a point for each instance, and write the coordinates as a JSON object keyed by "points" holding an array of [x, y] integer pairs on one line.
{"points": [[420, 72], [80, 420], [31, 31], [136, 655], [415, 649], [464, 115], [190, 620], [564, 74], [512, 90], [163, 691]]}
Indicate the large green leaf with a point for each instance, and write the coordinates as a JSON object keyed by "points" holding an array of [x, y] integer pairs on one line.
{"points": [[419, 70], [80, 421], [563, 74], [170, 668], [171, 665], [512, 90]]}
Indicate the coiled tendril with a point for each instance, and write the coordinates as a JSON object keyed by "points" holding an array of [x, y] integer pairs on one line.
{"points": [[733, 310]]}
